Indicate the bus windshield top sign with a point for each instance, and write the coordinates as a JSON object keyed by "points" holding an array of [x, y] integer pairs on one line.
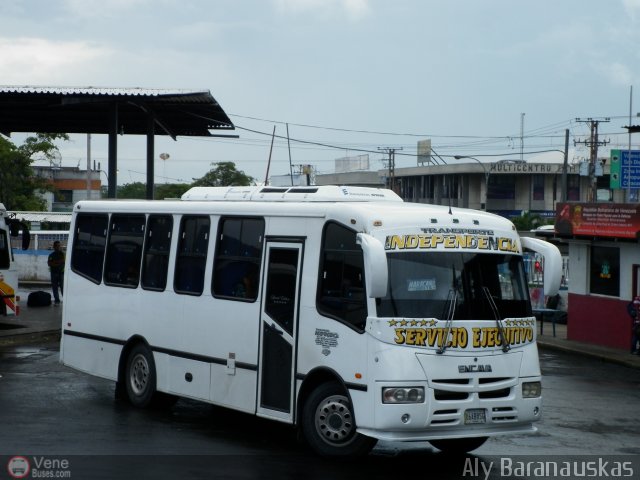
{"points": [[468, 241]]}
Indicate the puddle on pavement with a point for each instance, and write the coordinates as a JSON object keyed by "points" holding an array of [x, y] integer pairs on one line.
{"points": [[20, 353]]}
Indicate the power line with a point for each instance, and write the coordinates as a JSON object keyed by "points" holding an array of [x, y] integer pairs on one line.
{"points": [[553, 126]]}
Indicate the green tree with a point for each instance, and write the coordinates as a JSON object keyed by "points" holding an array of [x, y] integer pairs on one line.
{"points": [[528, 221], [223, 174], [135, 190], [19, 186], [138, 190], [170, 190]]}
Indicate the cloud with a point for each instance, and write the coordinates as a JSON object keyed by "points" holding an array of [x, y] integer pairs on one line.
{"points": [[101, 8], [616, 72], [32, 61], [354, 9], [632, 7]]}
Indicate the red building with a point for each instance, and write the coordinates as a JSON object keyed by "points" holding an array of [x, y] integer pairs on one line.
{"points": [[604, 261]]}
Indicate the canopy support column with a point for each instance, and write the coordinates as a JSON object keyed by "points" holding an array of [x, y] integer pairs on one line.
{"points": [[150, 154], [113, 153]]}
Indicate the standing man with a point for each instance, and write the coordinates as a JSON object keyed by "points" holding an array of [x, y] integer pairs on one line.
{"points": [[56, 267]]}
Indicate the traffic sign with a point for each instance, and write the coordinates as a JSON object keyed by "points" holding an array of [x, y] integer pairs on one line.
{"points": [[625, 169]]}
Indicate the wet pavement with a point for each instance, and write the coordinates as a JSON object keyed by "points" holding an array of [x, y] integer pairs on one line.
{"points": [[37, 324]]}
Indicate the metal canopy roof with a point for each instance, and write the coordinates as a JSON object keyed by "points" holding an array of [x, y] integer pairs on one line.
{"points": [[88, 110], [114, 111], [54, 217]]}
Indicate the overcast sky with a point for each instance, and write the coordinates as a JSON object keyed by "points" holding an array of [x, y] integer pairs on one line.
{"points": [[352, 74]]}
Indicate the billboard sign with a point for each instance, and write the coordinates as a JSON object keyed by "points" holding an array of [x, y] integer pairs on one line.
{"points": [[625, 169], [424, 151], [617, 220], [352, 164]]}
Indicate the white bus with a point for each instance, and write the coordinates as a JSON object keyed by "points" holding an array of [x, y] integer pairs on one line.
{"points": [[9, 227], [341, 310]]}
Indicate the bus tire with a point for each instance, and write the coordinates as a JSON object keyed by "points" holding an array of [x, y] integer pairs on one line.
{"points": [[458, 445], [328, 423], [140, 376]]}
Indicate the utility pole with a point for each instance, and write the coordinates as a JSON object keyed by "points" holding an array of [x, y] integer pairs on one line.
{"points": [[593, 144], [392, 164], [565, 165]]}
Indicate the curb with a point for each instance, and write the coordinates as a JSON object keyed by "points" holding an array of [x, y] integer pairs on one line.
{"points": [[30, 338], [586, 353]]}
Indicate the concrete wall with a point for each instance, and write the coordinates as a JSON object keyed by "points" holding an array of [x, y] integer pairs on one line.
{"points": [[599, 320], [363, 179], [32, 265]]}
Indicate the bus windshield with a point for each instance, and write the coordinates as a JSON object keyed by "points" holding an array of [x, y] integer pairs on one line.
{"points": [[456, 286]]}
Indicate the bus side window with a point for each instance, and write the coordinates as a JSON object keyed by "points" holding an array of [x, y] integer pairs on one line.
{"points": [[341, 292], [236, 270], [156, 252], [87, 257], [192, 255], [124, 250]]}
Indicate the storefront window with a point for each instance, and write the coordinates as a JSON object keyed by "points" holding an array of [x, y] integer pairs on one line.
{"points": [[450, 185], [573, 188], [502, 187], [605, 271], [538, 187]]}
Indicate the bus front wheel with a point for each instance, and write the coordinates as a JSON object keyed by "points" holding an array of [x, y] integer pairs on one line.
{"points": [[140, 376], [329, 426]]}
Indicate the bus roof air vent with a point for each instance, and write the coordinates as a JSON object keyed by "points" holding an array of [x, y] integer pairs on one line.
{"points": [[324, 193]]}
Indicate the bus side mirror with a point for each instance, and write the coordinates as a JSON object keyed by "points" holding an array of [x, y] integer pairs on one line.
{"points": [[15, 228], [375, 265], [552, 263]]}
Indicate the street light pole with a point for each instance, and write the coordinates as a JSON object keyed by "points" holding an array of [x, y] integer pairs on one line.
{"points": [[486, 176]]}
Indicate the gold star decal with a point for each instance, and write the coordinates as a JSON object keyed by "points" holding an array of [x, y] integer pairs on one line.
{"points": [[392, 323], [403, 323], [414, 323]]}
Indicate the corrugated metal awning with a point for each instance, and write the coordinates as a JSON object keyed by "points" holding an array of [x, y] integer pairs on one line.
{"points": [[51, 217], [87, 110]]}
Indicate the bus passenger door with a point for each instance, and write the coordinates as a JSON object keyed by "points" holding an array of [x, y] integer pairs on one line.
{"points": [[278, 328]]}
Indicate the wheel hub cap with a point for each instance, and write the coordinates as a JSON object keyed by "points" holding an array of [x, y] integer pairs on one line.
{"points": [[139, 374], [334, 419]]}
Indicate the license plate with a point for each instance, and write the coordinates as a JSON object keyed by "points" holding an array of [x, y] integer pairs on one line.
{"points": [[475, 415]]}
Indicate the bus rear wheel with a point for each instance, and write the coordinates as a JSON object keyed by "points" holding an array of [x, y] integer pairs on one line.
{"points": [[458, 445], [140, 376], [328, 423]]}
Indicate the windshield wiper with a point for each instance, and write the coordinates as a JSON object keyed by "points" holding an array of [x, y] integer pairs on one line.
{"points": [[503, 339], [452, 300]]}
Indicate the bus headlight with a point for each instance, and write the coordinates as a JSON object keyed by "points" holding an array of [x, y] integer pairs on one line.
{"points": [[403, 395], [531, 389]]}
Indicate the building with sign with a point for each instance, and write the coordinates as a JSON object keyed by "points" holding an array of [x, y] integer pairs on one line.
{"points": [[507, 188], [604, 258], [70, 185]]}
